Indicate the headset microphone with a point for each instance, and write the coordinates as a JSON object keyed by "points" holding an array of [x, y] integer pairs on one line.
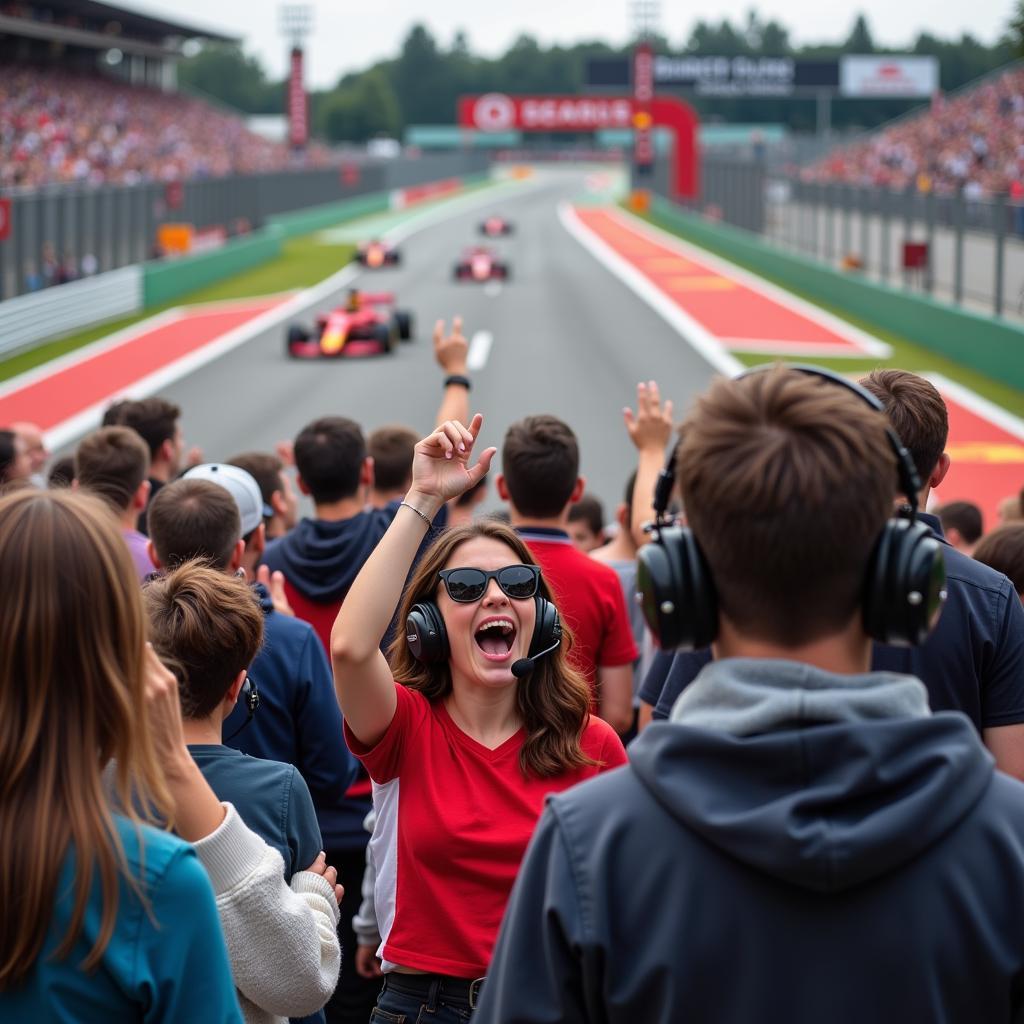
{"points": [[524, 666]]}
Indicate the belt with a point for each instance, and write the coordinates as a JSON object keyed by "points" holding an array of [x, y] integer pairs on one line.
{"points": [[440, 987]]}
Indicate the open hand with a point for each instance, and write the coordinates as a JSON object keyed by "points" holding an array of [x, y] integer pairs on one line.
{"points": [[650, 428], [441, 466], [274, 582], [451, 350], [163, 705]]}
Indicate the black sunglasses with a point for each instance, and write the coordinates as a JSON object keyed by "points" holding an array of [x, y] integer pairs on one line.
{"points": [[468, 585]]}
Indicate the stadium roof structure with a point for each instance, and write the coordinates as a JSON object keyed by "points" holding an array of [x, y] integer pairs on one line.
{"points": [[133, 30]]}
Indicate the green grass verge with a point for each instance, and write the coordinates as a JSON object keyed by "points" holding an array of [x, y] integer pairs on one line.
{"points": [[303, 262], [906, 355]]}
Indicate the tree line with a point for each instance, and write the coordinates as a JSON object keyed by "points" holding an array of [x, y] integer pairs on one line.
{"points": [[421, 83]]}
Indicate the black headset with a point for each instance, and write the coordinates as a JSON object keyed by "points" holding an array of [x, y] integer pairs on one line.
{"points": [[904, 580], [428, 639], [251, 696]]}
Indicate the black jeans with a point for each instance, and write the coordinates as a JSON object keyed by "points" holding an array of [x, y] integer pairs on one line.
{"points": [[355, 997]]}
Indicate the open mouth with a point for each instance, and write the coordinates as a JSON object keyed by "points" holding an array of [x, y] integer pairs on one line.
{"points": [[495, 638]]}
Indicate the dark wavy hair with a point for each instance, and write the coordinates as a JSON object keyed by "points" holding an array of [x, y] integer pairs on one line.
{"points": [[553, 700]]}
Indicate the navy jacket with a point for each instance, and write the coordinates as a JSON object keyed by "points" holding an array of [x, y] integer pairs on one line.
{"points": [[846, 872], [973, 661], [299, 722]]}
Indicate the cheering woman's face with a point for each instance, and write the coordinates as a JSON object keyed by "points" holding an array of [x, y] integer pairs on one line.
{"points": [[488, 629]]}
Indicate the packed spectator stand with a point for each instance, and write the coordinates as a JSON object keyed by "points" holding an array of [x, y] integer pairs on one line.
{"points": [[971, 143]]}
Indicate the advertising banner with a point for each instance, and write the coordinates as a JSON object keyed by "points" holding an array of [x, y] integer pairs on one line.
{"points": [[5, 219], [643, 93], [298, 121], [898, 77]]}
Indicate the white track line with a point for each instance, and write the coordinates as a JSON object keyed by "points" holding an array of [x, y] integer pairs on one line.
{"points": [[871, 346], [479, 350], [982, 407], [693, 332]]}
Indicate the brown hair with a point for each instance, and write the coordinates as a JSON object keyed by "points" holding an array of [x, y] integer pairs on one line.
{"points": [[392, 449], [1003, 550], [963, 516], [329, 455], [112, 462], [787, 481], [194, 519], [588, 510], [264, 468], [917, 414], [207, 627], [553, 700], [540, 459], [72, 700], [155, 420]]}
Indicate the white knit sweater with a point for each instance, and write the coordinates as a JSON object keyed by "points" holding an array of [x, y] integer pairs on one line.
{"points": [[282, 941]]}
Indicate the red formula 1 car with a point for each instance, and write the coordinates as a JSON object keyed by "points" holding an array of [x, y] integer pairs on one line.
{"points": [[367, 325], [479, 263], [492, 227], [376, 254]]}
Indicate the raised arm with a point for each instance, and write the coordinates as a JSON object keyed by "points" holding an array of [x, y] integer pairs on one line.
{"points": [[650, 429], [441, 470], [451, 352]]}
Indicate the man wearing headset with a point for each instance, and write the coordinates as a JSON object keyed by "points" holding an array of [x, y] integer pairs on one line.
{"points": [[817, 844], [974, 662]]}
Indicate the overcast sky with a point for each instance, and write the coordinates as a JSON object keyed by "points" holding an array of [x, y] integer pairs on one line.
{"points": [[348, 36]]}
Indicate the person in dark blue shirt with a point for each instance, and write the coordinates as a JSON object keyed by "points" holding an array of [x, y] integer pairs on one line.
{"points": [[974, 660]]}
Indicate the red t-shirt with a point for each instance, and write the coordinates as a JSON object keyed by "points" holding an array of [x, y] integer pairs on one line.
{"points": [[453, 821], [590, 600]]}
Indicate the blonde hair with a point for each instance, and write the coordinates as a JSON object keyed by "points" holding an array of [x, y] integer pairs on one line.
{"points": [[553, 700], [72, 700]]}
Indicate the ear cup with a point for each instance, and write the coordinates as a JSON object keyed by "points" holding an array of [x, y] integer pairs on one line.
{"points": [[425, 633], [547, 628], [676, 592], [905, 585]]}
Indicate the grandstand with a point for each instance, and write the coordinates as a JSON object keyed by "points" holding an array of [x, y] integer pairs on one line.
{"points": [[971, 143], [88, 94]]}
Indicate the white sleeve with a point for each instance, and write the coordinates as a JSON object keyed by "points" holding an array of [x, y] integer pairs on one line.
{"points": [[281, 940]]}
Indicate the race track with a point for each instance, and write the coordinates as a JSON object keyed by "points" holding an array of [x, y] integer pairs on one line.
{"points": [[569, 338]]}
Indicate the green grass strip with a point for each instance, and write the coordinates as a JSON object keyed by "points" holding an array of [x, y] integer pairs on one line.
{"points": [[906, 355]]}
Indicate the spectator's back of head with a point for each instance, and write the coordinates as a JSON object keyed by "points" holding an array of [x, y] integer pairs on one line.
{"points": [[62, 472], [207, 627], [540, 462], [1003, 550], [111, 463], [961, 523], [917, 413], [392, 449], [329, 455], [194, 519], [275, 487], [788, 482], [15, 466], [155, 420], [586, 522]]}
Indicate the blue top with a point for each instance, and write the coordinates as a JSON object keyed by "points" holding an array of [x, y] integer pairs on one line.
{"points": [[973, 661], [299, 722], [271, 798], [166, 965]]}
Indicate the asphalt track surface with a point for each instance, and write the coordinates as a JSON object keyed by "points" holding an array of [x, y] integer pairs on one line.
{"points": [[568, 338]]}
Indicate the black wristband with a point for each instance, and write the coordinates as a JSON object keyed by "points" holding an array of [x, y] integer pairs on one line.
{"points": [[458, 378]]}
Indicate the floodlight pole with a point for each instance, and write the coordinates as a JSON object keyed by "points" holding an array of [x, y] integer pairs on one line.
{"points": [[296, 21]]}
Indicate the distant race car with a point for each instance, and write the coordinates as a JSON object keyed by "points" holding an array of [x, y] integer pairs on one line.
{"points": [[367, 325], [376, 254], [495, 226], [480, 263]]}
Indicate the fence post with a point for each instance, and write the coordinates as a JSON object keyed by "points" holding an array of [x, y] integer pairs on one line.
{"points": [[929, 267], [885, 236], [959, 211], [1000, 215], [865, 229], [847, 214]]}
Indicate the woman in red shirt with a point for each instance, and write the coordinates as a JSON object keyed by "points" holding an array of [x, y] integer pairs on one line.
{"points": [[486, 720]]}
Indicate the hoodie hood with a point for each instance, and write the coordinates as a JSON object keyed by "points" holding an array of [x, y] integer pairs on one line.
{"points": [[321, 557], [823, 781]]}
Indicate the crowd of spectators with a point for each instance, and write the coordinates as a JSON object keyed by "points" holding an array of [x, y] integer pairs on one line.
{"points": [[371, 763], [63, 126], [971, 143]]}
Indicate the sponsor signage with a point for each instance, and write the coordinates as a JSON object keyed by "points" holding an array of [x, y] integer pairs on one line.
{"points": [[298, 122], [902, 77], [5, 219], [496, 112], [643, 93]]}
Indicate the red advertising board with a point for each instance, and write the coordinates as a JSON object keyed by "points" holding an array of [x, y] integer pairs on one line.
{"points": [[5, 219], [498, 112], [643, 93], [298, 121]]}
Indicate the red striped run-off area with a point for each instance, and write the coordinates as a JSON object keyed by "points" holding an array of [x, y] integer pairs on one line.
{"points": [[109, 370]]}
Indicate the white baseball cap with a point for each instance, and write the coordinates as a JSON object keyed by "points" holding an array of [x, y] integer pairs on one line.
{"points": [[241, 485]]}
